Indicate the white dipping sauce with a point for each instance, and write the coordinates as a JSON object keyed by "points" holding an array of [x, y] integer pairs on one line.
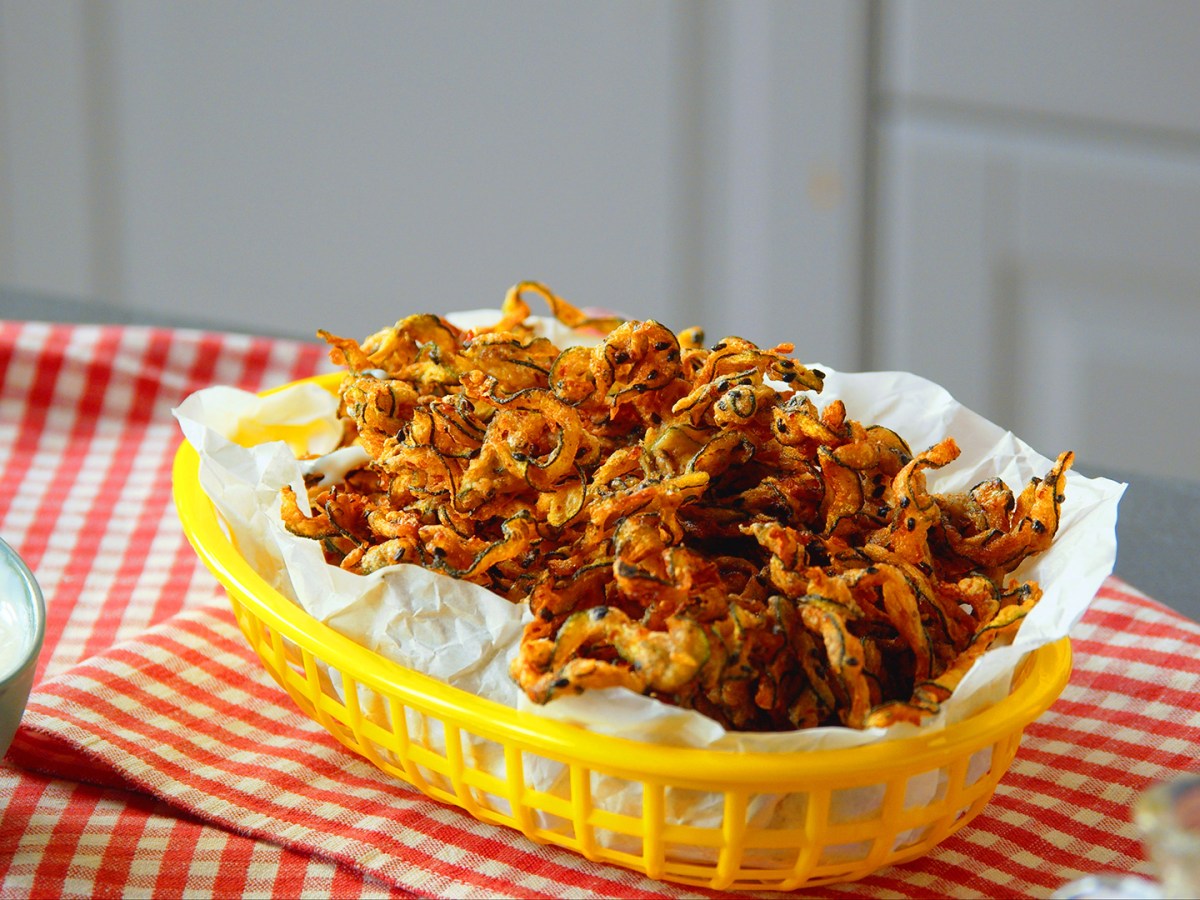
{"points": [[16, 625]]}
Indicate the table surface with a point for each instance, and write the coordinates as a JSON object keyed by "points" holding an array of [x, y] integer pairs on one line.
{"points": [[135, 775]]}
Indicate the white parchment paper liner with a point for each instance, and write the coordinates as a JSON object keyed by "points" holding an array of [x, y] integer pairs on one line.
{"points": [[465, 635]]}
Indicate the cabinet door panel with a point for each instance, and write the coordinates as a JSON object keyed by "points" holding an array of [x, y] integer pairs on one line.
{"points": [[1055, 290], [1126, 62], [940, 227], [1107, 304]]}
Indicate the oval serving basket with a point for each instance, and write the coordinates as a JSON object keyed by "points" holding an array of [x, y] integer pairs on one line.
{"points": [[771, 821]]}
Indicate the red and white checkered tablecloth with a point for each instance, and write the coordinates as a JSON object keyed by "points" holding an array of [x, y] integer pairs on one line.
{"points": [[157, 758]]}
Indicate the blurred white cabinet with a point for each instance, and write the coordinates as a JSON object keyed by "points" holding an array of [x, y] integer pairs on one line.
{"points": [[1038, 220], [1004, 197], [300, 164]]}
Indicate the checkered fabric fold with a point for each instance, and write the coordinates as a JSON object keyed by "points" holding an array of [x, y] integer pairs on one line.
{"points": [[185, 714]]}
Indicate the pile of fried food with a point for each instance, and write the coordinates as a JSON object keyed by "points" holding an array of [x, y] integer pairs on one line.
{"points": [[682, 521]]}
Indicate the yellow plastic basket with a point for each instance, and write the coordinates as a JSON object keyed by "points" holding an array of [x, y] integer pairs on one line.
{"points": [[476, 754]]}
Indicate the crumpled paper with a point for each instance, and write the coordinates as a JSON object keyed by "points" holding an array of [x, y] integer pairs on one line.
{"points": [[465, 635]]}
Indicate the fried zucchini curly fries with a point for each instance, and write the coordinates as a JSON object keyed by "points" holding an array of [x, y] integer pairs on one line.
{"points": [[683, 521]]}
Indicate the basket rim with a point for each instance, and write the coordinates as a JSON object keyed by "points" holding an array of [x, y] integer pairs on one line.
{"points": [[1046, 672]]}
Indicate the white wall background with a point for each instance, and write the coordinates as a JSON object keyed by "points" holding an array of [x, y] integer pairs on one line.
{"points": [[296, 165], [1037, 219], [1002, 197]]}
